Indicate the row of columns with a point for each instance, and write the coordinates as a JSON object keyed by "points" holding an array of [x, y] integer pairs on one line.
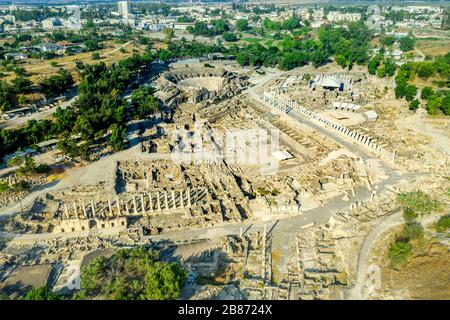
{"points": [[279, 101], [162, 201]]}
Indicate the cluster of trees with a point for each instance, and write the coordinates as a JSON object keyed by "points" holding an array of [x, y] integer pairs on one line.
{"points": [[33, 133], [144, 102], [183, 48], [57, 84], [38, 14], [230, 37], [89, 37], [242, 25], [348, 46], [216, 27], [184, 19], [27, 166], [406, 43], [42, 293], [435, 99], [131, 274], [288, 24], [12, 93], [381, 67], [99, 108]]}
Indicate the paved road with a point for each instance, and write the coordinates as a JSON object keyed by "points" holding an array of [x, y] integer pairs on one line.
{"points": [[21, 121]]}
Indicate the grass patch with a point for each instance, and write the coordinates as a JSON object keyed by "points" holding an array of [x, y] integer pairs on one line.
{"points": [[443, 224], [252, 40], [401, 249], [399, 253], [205, 280], [418, 201]]}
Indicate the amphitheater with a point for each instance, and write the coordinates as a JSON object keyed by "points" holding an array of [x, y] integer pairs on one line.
{"points": [[197, 85]]}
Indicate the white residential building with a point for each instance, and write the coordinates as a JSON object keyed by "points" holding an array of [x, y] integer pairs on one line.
{"points": [[337, 16], [124, 8]]}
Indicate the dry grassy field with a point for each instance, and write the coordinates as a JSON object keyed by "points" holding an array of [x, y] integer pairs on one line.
{"points": [[433, 46], [424, 276], [38, 69]]}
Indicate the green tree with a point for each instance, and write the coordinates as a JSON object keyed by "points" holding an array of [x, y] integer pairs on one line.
{"points": [[414, 105], [390, 67], [21, 85], [95, 56], [41, 293], [426, 93], [373, 65], [406, 43], [411, 92], [242, 25], [117, 137], [230, 37], [164, 281], [84, 127], [426, 70]]}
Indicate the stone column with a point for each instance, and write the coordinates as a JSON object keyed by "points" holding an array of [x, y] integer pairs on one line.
{"points": [[188, 197], [93, 208], [142, 204], [166, 201], [75, 209], [134, 205], [127, 210], [150, 201], [158, 201], [66, 212], [110, 208], [181, 198], [84, 210], [173, 199], [118, 206]]}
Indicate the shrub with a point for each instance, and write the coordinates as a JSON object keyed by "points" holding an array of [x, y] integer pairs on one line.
{"points": [[95, 56], [443, 224], [399, 253], [412, 231], [414, 105], [409, 215], [418, 201]]}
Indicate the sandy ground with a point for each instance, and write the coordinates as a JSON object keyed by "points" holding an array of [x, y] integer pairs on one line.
{"points": [[437, 130], [26, 277]]}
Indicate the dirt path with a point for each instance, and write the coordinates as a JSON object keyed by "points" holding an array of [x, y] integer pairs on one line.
{"points": [[382, 227]]}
